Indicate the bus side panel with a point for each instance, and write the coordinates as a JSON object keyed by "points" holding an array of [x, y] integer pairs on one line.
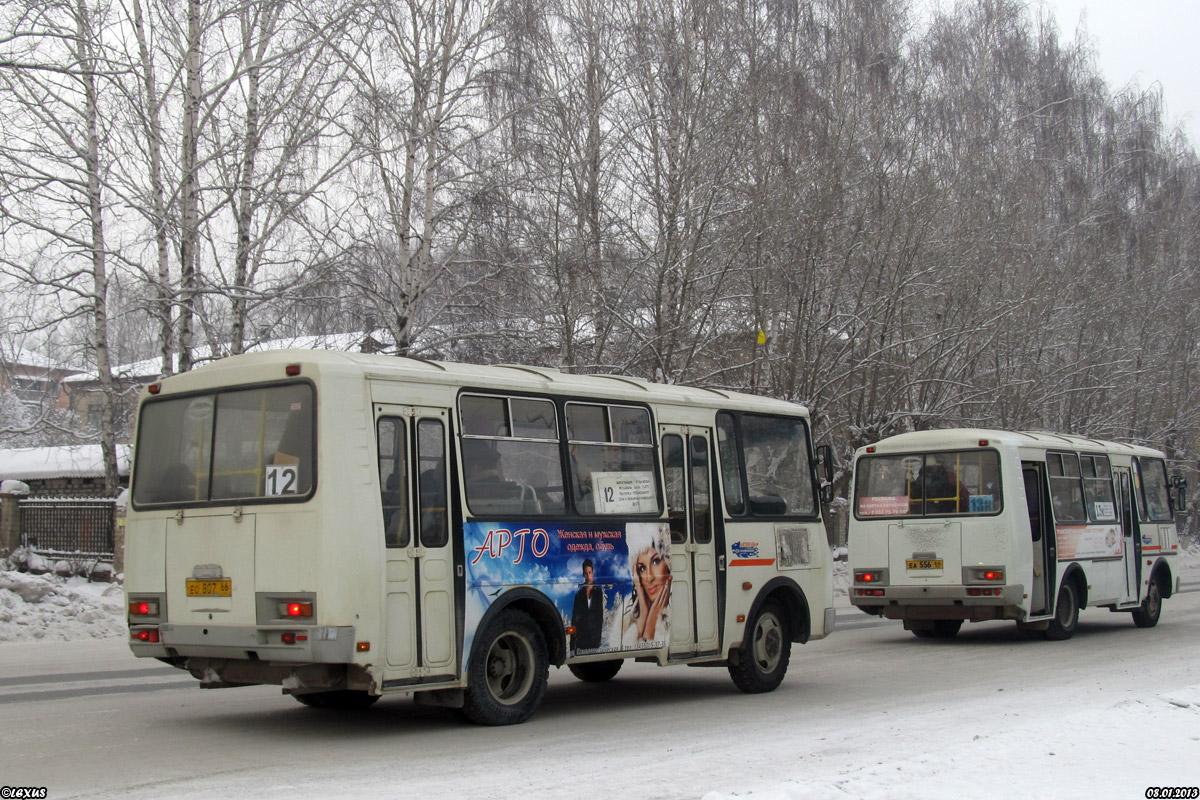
{"points": [[761, 551]]}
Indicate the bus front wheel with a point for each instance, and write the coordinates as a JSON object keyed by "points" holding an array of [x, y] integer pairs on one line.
{"points": [[506, 679], [765, 652], [1146, 615], [1066, 613]]}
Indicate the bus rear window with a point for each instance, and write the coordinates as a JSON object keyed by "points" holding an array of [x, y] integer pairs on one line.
{"points": [[236, 445], [928, 484]]}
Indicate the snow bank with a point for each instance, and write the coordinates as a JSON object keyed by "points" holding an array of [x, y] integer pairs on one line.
{"points": [[1147, 740], [50, 608]]}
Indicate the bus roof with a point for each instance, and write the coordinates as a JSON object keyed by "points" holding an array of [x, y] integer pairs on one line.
{"points": [[504, 377], [950, 438]]}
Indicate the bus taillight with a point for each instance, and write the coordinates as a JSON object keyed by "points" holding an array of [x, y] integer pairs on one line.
{"points": [[143, 608], [867, 576], [145, 635], [295, 609], [985, 575]]}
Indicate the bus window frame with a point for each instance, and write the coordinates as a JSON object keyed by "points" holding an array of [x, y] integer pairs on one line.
{"points": [[747, 512], [1088, 504], [459, 436], [570, 510], [995, 512], [1078, 478], [227, 501], [1140, 491], [654, 448]]}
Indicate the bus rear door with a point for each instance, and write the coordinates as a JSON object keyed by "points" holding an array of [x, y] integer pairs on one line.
{"points": [[419, 611]]}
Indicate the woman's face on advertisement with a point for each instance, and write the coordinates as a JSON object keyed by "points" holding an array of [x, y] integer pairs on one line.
{"points": [[653, 570]]}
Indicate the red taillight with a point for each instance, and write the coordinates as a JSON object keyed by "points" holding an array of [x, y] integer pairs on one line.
{"points": [[869, 592], [871, 449], [993, 575], [154, 388], [868, 577], [143, 608], [150, 635], [292, 370], [983, 442], [298, 610], [287, 638]]}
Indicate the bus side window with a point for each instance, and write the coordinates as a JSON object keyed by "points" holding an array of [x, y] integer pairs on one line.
{"points": [[731, 472], [1066, 491], [1033, 499], [672, 448], [431, 482], [393, 481]]}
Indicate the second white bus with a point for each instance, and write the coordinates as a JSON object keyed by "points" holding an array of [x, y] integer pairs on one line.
{"points": [[968, 525], [351, 526]]}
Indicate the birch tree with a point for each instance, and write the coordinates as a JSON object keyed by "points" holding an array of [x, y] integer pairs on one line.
{"points": [[55, 170]]}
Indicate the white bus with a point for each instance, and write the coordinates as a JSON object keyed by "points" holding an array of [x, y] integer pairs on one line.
{"points": [[955, 525], [349, 526]]}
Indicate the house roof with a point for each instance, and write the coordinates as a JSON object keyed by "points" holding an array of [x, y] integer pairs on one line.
{"points": [[73, 461], [22, 360]]}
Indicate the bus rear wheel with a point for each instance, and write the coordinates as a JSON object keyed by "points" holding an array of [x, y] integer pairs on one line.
{"points": [[339, 700], [765, 652], [946, 628], [1146, 615], [1066, 613], [506, 679], [596, 671]]}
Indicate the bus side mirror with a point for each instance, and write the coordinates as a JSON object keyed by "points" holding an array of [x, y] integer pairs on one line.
{"points": [[825, 461], [1179, 484]]}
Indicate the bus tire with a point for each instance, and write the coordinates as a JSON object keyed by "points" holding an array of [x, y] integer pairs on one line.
{"points": [[596, 671], [1146, 615], [1066, 612], [338, 700], [506, 678], [765, 651]]}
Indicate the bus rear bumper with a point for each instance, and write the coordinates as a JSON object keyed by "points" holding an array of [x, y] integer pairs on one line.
{"points": [[301, 644], [945, 602]]}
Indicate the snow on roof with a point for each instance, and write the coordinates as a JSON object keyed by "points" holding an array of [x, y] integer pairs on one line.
{"points": [[150, 368], [74, 461], [16, 357]]}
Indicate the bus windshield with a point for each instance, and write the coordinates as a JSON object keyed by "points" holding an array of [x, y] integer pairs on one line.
{"points": [[928, 484], [246, 444]]}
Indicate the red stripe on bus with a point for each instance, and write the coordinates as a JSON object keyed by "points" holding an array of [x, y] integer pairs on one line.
{"points": [[752, 562]]}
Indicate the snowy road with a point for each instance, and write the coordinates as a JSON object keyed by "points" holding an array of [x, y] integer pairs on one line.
{"points": [[868, 712]]}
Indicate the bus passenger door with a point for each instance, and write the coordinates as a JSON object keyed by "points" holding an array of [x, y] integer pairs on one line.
{"points": [[687, 467], [1041, 532], [1131, 537], [419, 617]]}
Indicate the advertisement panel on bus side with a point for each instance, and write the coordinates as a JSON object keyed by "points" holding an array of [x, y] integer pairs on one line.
{"points": [[611, 582]]}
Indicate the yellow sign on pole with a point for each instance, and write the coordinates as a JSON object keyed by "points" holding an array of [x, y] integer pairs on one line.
{"points": [[762, 337]]}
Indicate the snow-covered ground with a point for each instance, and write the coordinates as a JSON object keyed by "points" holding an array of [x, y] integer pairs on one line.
{"points": [[47, 607], [1112, 732]]}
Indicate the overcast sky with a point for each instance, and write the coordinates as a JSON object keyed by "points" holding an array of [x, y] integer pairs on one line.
{"points": [[1143, 41]]}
